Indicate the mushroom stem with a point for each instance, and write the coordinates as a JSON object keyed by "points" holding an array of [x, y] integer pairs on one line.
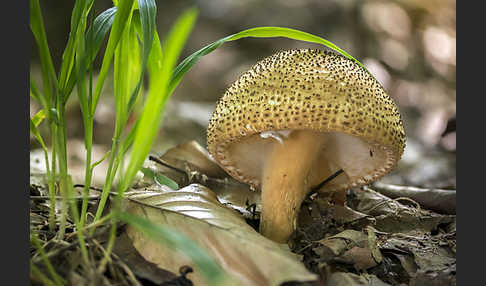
{"points": [[285, 183]]}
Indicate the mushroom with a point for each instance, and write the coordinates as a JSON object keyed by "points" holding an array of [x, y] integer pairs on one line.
{"points": [[296, 118]]}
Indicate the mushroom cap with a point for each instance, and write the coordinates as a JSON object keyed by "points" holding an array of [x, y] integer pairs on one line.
{"points": [[316, 91]]}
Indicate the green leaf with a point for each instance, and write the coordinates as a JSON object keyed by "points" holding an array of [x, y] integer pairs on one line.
{"points": [[100, 160], [126, 73], [38, 117], [259, 32], [159, 178], [158, 93], [48, 72], [124, 10], [147, 12], [163, 180], [78, 25], [35, 132], [98, 30], [81, 67], [95, 35], [35, 93]]}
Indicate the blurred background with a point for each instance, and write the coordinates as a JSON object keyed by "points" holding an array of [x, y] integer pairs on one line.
{"points": [[409, 45]]}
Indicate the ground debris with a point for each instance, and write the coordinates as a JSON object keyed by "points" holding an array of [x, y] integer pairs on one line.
{"points": [[376, 240]]}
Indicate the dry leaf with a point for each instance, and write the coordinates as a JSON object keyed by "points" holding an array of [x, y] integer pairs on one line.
{"points": [[195, 211], [393, 216], [350, 247], [197, 164]]}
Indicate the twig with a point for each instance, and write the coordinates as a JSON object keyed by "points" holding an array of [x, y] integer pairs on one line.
{"points": [[439, 200], [91, 188], [417, 205], [323, 183], [199, 177], [163, 163], [127, 269], [39, 198]]}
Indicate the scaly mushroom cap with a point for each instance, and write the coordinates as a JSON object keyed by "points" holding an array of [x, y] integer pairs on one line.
{"points": [[318, 91]]}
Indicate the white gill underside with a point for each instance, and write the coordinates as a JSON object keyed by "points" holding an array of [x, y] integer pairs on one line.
{"points": [[359, 160]]}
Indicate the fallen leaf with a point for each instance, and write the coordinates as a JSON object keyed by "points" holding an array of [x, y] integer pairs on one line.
{"points": [[194, 211], [193, 162], [439, 200], [351, 247], [392, 216]]}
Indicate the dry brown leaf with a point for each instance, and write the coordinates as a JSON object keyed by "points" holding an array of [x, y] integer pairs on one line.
{"points": [[350, 247], [393, 216], [195, 161], [193, 156], [195, 211]]}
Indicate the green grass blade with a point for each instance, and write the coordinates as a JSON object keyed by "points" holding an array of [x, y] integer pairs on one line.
{"points": [[128, 140], [259, 32], [35, 272], [100, 160], [50, 268], [78, 24], [147, 12], [35, 93], [168, 237], [35, 132], [48, 71], [81, 81], [160, 68], [126, 72], [38, 117], [97, 32], [124, 11]]}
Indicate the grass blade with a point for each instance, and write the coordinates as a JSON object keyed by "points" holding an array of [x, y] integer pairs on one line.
{"points": [[95, 35], [97, 32], [48, 71], [35, 132], [78, 25], [126, 73], [50, 268], [160, 68], [38, 117], [148, 10], [259, 32], [124, 11], [208, 266]]}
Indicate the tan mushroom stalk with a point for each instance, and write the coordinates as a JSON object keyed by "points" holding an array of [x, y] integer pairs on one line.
{"points": [[296, 118]]}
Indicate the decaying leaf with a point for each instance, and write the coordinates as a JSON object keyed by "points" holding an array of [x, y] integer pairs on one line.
{"points": [[351, 247], [439, 200], [422, 256], [393, 216], [191, 163], [194, 157], [195, 211], [140, 267]]}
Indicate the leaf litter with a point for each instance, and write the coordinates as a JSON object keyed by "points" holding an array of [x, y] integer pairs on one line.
{"points": [[371, 240]]}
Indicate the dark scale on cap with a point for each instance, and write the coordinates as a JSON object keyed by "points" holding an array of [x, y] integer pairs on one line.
{"points": [[307, 82]]}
